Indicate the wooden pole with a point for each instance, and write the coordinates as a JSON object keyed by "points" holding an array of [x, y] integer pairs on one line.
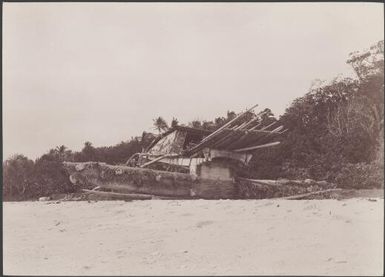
{"points": [[226, 139], [228, 124], [249, 123], [259, 116], [215, 134], [266, 136], [157, 159], [264, 128], [257, 147], [246, 140], [231, 136], [129, 159]]}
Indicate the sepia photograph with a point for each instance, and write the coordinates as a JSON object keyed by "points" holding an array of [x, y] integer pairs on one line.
{"points": [[193, 138]]}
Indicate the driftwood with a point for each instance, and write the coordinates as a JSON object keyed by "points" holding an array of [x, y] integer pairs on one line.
{"points": [[117, 188], [130, 196], [281, 182], [299, 196], [261, 182]]}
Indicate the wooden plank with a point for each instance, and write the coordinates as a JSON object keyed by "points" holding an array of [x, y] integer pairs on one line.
{"points": [[257, 147]]}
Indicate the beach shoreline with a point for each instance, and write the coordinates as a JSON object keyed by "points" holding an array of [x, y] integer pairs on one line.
{"points": [[194, 237]]}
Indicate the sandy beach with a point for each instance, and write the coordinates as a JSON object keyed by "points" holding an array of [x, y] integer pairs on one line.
{"points": [[194, 237]]}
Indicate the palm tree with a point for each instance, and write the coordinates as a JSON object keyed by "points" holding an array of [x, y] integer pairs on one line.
{"points": [[160, 124], [61, 149], [174, 122]]}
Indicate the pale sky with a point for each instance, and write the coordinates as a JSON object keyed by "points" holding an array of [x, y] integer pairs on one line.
{"points": [[101, 72]]}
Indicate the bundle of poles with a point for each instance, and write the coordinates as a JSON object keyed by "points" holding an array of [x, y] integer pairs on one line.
{"points": [[241, 135]]}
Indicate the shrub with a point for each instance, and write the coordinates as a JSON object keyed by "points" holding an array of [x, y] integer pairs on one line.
{"points": [[17, 178], [24, 179], [360, 176], [51, 177]]}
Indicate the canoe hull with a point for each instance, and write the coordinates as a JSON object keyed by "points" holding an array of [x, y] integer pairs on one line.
{"points": [[89, 175]]}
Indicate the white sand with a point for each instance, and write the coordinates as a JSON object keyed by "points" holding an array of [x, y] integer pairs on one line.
{"points": [[226, 237]]}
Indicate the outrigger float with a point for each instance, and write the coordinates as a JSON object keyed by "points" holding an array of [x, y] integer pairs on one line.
{"points": [[185, 163]]}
